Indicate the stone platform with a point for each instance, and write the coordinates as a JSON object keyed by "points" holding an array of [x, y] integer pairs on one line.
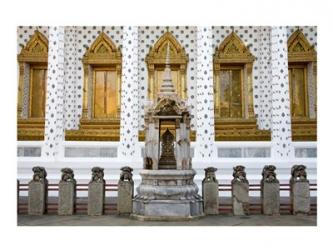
{"points": [[167, 195]]}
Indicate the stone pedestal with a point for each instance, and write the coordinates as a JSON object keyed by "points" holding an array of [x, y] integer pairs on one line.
{"points": [[125, 191], [37, 197], [210, 192], [96, 195], [300, 197], [37, 200], [240, 191], [167, 195], [66, 200], [125, 197], [240, 198], [270, 198]]}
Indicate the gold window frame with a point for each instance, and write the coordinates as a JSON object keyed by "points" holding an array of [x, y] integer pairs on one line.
{"points": [[218, 85], [156, 59], [34, 53], [32, 68], [232, 52], [103, 53], [300, 51]]}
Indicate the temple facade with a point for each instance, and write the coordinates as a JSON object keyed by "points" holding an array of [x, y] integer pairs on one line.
{"points": [[84, 94]]}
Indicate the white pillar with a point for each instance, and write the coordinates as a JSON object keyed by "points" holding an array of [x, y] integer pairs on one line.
{"points": [[281, 122], [205, 136], [128, 147], [54, 108], [264, 78], [71, 118]]}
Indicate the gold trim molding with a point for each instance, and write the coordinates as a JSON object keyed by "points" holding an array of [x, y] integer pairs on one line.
{"points": [[34, 53], [233, 50], [157, 56], [233, 53], [102, 53], [299, 49]]}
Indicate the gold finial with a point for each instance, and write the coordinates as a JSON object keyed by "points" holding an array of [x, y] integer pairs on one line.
{"points": [[167, 59]]}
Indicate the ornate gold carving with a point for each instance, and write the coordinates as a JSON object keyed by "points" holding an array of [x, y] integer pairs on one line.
{"points": [[301, 54], [35, 54], [233, 50], [233, 55], [156, 61], [102, 55], [36, 50], [299, 49]]}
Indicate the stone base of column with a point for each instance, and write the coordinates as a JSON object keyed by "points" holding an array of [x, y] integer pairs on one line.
{"points": [[270, 198], [96, 196], [210, 195], [67, 195], [37, 197], [125, 197], [240, 198], [300, 197]]}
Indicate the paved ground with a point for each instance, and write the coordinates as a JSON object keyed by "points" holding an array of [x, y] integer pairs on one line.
{"points": [[219, 220]]}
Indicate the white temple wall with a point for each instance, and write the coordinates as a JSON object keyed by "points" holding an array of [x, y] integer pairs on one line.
{"points": [[253, 155]]}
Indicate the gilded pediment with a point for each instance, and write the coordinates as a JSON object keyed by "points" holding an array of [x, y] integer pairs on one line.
{"points": [[36, 49], [232, 49], [157, 53], [299, 48], [102, 49]]}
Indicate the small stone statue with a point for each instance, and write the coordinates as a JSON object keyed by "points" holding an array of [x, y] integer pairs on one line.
{"points": [[39, 174], [270, 191], [67, 175], [268, 174], [240, 191], [148, 163], [239, 174], [126, 174], [37, 195], [298, 173], [97, 174], [210, 174], [299, 190]]}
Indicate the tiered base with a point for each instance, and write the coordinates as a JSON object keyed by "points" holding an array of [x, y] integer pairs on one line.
{"points": [[167, 195]]}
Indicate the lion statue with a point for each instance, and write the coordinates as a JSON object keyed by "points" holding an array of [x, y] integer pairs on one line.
{"points": [[239, 174], [268, 174], [210, 174], [298, 173], [39, 173], [67, 174], [97, 174], [126, 174]]}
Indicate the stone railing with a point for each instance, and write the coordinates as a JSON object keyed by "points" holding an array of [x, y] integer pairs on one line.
{"points": [[241, 202]]}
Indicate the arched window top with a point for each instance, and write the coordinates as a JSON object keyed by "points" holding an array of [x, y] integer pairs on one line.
{"points": [[36, 50], [102, 51], [299, 48], [157, 54], [233, 50]]}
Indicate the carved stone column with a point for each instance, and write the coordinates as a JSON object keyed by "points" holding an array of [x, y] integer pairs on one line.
{"points": [[129, 95], [270, 191], [205, 95], [240, 192], [54, 110], [96, 192], [125, 191], [281, 122], [210, 192], [67, 192], [299, 190], [37, 200]]}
